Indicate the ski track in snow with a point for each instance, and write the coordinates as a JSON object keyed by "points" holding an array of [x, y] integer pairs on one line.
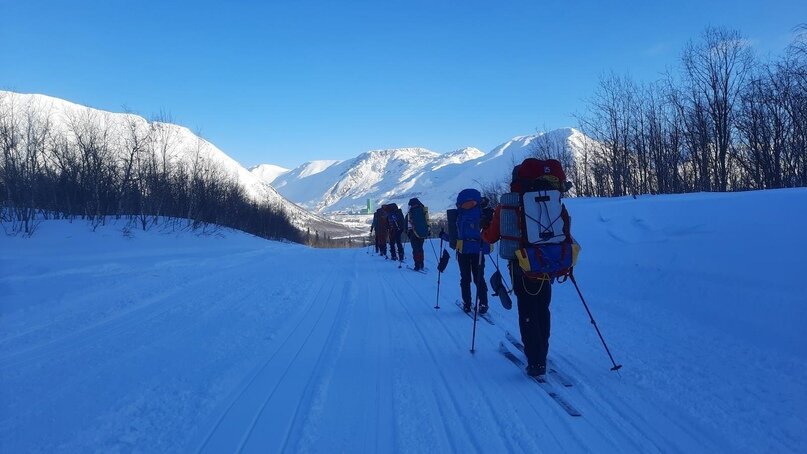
{"points": [[241, 345]]}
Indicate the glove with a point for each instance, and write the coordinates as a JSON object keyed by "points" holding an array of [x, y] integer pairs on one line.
{"points": [[497, 284], [443, 261]]}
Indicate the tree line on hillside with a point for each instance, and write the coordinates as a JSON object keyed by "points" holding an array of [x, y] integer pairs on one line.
{"points": [[725, 121], [93, 168]]}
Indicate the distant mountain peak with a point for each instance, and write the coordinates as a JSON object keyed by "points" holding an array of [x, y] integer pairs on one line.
{"points": [[268, 172], [397, 174]]}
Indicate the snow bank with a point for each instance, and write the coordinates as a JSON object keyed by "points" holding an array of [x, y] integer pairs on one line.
{"points": [[701, 296], [733, 262]]}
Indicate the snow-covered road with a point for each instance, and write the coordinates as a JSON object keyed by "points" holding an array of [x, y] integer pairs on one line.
{"points": [[227, 343]]}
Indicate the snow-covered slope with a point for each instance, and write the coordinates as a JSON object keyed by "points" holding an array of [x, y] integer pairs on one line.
{"points": [[372, 172], [399, 174], [154, 342], [268, 172], [63, 116], [456, 157], [340, 186]]}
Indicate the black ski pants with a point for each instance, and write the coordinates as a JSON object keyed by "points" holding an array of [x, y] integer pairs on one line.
{"points": [[472, 269], [417, 247], [533, 298], [395, 245]]}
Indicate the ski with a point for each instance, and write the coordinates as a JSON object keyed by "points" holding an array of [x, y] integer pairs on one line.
{"points": [[546, 386], [562, 378], [485, 317], [423, 271]]}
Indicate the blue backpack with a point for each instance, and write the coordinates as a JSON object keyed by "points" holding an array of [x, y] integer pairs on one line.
{"points": [[394, 218], [418, 218], [469, 223]]}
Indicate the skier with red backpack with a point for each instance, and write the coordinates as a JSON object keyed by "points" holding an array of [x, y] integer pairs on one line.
{"points": [[534, 228]]}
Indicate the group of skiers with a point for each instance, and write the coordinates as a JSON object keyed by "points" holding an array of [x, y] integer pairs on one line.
{"points": [[530, 224], [389, 224]]}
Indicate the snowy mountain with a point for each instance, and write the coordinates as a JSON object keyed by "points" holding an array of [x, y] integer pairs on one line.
{"points": [[396, 175], [268, 172], [182, 143]]}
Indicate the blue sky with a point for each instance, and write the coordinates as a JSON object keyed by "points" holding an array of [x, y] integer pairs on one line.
{"points": [[289, 81]]}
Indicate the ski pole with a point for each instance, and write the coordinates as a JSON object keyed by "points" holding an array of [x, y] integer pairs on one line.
{"points": [[476, 304], [616, 366], [439, 273], [436, 258]]}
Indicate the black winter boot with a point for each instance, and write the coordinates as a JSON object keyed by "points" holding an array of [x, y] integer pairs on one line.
{"points": [[536, 370]]}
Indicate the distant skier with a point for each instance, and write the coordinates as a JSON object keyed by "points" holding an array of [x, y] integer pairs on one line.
{"points": [[374, 227], [534, 228], [395, 227], [417, 221], [380, 226], [471, 248]]}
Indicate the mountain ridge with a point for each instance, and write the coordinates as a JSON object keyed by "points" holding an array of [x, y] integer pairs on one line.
{"points": [[397, 174], [180, 142]]}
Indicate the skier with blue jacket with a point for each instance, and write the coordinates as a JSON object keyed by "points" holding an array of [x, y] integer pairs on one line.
{"points": [[471, 248]]}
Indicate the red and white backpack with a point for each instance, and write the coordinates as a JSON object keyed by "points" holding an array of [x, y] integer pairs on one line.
{"points": [[535, 226]]}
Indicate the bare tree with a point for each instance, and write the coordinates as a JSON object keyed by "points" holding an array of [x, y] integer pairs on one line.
{"points": [[609, 121], [553, 146], [97, 166], [715, 71], [134, 144], [493, 190]]}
